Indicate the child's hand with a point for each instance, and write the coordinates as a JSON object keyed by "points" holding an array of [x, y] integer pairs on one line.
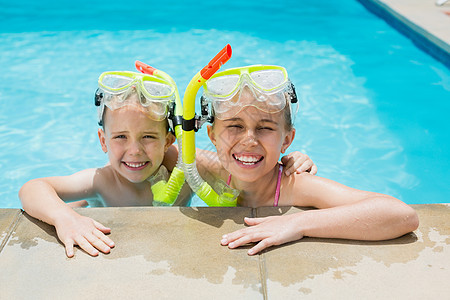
{"points": [[298, 162], [84, 232], [80, 203], [269, 231]]}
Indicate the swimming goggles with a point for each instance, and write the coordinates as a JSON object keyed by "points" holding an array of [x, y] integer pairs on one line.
{"points": [[119, 88], [265, 87]]}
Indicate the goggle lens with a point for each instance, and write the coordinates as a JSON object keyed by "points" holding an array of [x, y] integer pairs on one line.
{"points": [[157, 89], [116, 81], [224, 85], [124, 88], [269, 79]]}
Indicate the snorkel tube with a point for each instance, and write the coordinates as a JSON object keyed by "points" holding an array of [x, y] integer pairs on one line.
{"points": [[224, 195], [165, 193]]}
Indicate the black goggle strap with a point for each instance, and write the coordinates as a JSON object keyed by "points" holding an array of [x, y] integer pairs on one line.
{"points": [[206, 110], [292, 94], [98, 99], [173, 119]]}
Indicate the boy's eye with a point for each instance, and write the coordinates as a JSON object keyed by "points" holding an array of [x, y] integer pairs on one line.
{"points": [[120, 136], [235, 126], [148, 136]]}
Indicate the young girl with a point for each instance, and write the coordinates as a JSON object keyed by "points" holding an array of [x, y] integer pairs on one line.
{"points": [[252, 112]]}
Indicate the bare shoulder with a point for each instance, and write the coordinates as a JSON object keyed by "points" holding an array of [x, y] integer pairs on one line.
{"points": [[209, 165], [309, 190], [105, 181]]}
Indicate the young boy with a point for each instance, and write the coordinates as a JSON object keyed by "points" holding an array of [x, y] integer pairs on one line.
{"points": [[135, 136]]}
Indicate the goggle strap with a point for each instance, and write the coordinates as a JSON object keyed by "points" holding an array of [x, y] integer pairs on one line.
{"points": [[293, 94], [193, 124], [98, 97], [205, 110]]}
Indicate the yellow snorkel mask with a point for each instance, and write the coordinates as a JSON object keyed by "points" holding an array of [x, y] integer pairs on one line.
{"points": [[152, 95], [265, 87]]}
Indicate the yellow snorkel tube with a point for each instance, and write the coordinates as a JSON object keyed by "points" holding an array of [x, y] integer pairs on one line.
{"points": [[166, 192], [223, 195]]}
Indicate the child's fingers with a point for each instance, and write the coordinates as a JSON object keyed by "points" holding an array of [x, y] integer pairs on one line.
{"points": [[230, 237], [86, 246], [104, 238], [265, 243], [297, 166], [286, 159], [101, 227], [247, 238], [246, 235], [69, 248], [313, 170], [290, 160], [98, 243], [81, 203], [304, 167], [253, 221]]}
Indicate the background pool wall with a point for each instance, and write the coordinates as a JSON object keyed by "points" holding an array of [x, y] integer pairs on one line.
{"points": [[422, 38]]}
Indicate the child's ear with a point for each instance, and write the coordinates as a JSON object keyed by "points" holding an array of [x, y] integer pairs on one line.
{"points": [[101, 137], [288, 139], [170, 139], [211, 134]]}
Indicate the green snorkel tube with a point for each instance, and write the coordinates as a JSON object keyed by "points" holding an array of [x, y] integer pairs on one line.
{"points": [[166, 192], [223, 195]]}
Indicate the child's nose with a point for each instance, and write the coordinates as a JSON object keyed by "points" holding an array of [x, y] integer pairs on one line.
{"points": [[249, 139], [135, 148]]}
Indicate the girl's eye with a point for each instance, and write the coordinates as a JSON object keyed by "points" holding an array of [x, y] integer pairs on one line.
{"points": [[265, 128]]}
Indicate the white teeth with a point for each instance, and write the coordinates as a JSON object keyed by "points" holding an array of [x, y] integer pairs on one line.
{"points": [[247, 160], [135, 165]]}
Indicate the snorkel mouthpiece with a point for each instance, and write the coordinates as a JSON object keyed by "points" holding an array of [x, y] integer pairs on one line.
{"points": [[214, 65]]}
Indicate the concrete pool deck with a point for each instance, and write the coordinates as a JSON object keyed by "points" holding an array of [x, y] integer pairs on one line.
{"points": [[424, 22], [175, 253]]}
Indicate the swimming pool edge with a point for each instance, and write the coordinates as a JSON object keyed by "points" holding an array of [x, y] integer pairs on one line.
{"points": [[431, 40]]}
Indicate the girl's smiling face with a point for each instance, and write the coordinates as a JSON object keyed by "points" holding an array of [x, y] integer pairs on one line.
{"points": [[135, 143], [249, 144]]}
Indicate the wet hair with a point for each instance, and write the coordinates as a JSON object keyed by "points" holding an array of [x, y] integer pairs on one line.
{"points": [[102, 123]]}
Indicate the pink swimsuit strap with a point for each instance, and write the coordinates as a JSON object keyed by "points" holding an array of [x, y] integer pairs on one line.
{"points": [[277, 192]]}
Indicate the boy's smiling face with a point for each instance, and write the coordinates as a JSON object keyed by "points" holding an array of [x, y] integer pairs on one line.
{"points": [[135, 143]]}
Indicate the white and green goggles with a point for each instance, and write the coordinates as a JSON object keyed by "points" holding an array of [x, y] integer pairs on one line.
{"points": [[119, 88], [261, 86]]}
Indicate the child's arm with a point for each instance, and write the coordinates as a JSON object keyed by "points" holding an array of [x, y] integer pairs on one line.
{"points": [[346, 213], [42, 199]]}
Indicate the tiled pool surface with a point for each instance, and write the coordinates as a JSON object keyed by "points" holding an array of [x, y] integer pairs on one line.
{"points": [[175, 252]]}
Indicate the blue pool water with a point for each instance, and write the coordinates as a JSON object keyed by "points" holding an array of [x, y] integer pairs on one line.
{"points": [[374, 108]]}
